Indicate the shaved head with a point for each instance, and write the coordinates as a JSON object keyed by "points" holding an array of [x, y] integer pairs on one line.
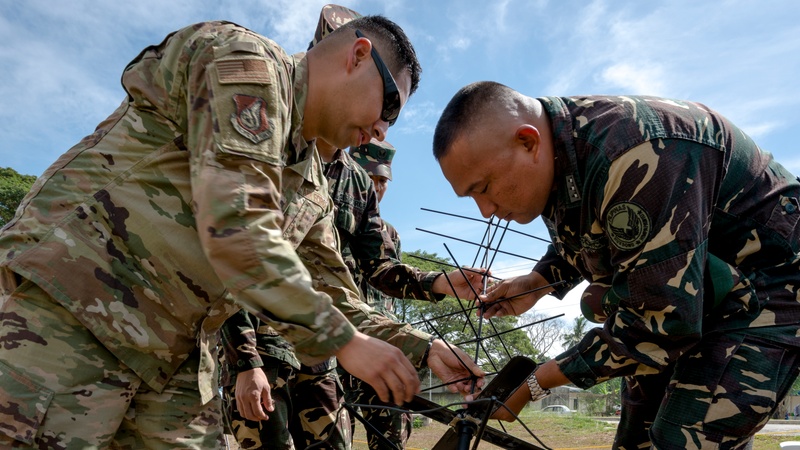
{"points": [[478, 104]]}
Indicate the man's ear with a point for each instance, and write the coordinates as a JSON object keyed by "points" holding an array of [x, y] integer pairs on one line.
{"points": [[359, 53], [528, 136]]}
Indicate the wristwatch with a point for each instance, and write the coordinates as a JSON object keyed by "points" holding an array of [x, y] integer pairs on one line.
{"points": [[537, 392]]}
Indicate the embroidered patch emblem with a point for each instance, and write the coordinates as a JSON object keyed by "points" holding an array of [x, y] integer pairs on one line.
{"points": [[250, 119], [628, 225]]}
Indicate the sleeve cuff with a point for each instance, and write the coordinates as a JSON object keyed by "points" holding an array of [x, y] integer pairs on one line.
{"points": [[243, 365], [427, 285], [575, 369]]}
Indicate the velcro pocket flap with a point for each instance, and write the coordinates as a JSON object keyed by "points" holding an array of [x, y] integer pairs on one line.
{"points": [[23, 405]]}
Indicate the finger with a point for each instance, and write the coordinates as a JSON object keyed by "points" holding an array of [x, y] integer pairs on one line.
{"points": [[247, 411], [405, 384], [242, 406], [254, 407], [380, 387], [397, 389], [490, 311], [266, 401]]}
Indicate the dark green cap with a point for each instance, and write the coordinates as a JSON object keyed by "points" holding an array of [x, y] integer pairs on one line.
{"points": [[375, 157]]}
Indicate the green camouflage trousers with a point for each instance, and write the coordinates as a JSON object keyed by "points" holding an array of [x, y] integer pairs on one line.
{"points": [[394, 425], [717, 396], [308, 411], [60, 388]]}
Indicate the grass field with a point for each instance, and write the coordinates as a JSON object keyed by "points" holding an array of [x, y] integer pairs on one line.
{"points": [[559, 432]]}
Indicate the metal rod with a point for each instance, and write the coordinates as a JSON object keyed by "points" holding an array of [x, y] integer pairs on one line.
{"points": [[484, 221], [466, 269], [479, 245]]}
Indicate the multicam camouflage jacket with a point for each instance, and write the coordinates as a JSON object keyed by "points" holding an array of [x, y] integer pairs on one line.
{"points": [[368, 251], [149, 229], [680, 223]]}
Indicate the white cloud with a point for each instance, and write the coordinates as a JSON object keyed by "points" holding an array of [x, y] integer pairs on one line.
{"points": [[418, 118], [645, 79]]}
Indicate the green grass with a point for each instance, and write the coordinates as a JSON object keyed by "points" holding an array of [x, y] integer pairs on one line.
{"points": [[559, 432]]}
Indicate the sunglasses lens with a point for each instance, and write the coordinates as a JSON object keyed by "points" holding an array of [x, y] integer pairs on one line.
{"points": [[391, 95], [391, 106]]}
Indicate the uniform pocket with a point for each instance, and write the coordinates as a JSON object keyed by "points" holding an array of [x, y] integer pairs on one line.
{"points": [[745, 395], [23, 405], [724, 389]]}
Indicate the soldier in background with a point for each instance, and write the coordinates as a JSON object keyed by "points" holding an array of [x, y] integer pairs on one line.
{"points": [[272, 399], [376, 159], [200, 194], [686, 231]]}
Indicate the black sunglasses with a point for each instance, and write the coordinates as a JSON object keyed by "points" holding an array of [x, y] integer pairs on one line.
{"points": [[391, 95]]}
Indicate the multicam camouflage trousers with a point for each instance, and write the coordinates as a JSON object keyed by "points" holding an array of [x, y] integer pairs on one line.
{"points": [[717, 396], [308, 411], [60, 388], [395, 426]]}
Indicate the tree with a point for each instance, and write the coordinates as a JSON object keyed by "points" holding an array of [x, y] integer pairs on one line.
{"points": [[13, 187], [576, 334], [544, 334]]}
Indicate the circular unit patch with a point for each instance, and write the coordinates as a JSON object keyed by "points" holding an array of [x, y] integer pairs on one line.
{"points": [[628, 225]]}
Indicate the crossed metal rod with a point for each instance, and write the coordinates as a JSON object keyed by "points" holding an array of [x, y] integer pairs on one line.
{"points": [[485, 247]]}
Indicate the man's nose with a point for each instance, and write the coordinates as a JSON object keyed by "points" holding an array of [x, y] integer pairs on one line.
{"points": [[379, 129], [486, 206]]}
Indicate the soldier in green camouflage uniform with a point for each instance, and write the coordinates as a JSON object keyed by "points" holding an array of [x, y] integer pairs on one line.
{"points": [[376, 159], [307, 399], [686, 231], [202, 192]]}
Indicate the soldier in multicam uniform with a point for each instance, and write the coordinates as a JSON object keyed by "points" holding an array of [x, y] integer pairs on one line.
{"points": [[376, 159], [202, 192], [686, 231], [306, 400]]}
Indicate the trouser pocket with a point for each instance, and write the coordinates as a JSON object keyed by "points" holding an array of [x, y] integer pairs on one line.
{"points": [[24, 405]]}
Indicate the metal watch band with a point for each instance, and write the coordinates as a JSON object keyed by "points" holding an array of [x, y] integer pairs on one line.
{"points": [[537, 392]]}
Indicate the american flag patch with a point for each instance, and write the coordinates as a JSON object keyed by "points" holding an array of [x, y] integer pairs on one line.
{"points": [[243, 71]]}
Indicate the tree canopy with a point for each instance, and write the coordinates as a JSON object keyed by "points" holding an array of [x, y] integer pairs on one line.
{"points": [[13, 187], [495, 340]]}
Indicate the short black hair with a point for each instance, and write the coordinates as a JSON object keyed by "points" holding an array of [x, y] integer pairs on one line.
{"points": [[467, 105], [401, 54]]}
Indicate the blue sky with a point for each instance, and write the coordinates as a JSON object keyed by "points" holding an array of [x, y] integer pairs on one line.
{"points": [[62, 60]]}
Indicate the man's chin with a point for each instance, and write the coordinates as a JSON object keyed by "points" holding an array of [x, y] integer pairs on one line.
{"points": [[520, 219]]}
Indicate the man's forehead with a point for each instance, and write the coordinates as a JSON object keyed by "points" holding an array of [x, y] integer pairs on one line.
{"points": [[460, 168]]}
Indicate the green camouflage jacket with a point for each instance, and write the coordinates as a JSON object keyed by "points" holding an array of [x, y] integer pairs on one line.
{"points": [[680, 223], [197, 192], [371, 295], [367, 249]]}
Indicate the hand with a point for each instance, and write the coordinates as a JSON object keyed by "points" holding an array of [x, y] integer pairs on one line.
{"points": [[465, 288], [509, 288], [442, 360], [253, 392], [382, 366]]}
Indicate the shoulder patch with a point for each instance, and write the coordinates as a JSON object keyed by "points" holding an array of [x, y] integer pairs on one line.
{"points": [[250, 118], [628, 225], [243, 71]]}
